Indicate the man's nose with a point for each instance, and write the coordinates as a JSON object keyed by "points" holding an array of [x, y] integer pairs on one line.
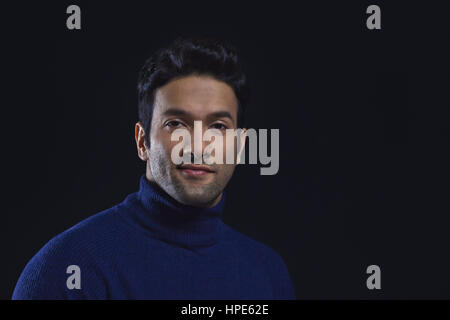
{"points": [[197, 147]]}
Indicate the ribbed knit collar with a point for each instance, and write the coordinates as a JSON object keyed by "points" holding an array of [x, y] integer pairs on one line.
{"points": [[162, 217]]}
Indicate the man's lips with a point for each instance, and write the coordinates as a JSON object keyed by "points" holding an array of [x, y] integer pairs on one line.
{"points": [[195, 170]]}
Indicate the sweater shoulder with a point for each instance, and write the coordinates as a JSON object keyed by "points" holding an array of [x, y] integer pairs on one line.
{"points": [[270, 259], [88, 245], [251, 245], [89, 236]]}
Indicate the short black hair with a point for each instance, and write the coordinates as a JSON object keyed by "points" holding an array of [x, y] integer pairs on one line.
{"points": [[191, 56]]}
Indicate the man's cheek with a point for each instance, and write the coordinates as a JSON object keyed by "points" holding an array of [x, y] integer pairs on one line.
{"points": [[164, 147]]}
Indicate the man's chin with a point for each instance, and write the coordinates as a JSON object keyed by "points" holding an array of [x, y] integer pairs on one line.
{"points": [[201, 192], [196, 196]]}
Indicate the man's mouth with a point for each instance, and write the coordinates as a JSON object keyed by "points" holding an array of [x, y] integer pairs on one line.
{"points": [[195, 169]]}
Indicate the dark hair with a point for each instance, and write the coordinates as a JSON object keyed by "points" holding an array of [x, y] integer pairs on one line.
{"points": [[188, 56]]}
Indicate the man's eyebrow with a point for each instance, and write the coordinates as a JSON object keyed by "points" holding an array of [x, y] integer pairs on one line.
{"points": [[174, 112], [221, 114], [180, 112]]}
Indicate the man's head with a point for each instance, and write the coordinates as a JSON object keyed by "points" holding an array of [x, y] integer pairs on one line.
{"points": [[192, 80]]}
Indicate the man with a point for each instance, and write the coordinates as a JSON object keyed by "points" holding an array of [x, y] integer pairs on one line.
{"points": [[167, 241]]}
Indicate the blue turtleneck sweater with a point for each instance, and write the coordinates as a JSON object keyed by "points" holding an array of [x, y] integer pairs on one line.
{"points": [[151, 247]]}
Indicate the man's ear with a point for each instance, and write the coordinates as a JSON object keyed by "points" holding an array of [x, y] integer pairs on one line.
{"points": [[139, 135], [242, 139]]}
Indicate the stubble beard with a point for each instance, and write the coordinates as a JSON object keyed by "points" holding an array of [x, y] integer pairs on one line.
{"points": [[193, 193]]}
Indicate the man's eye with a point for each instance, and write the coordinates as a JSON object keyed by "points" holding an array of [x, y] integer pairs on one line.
{"points": [[219, 126], [174, 123]]}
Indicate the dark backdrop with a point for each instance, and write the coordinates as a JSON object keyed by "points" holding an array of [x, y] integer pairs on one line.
{"points": [[363, 118]]}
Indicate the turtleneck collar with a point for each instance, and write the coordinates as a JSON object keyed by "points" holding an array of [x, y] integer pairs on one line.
{"points": [[158, 214]]}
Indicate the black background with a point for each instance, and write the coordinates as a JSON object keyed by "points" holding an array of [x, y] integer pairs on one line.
{"points": [[363, 118]]}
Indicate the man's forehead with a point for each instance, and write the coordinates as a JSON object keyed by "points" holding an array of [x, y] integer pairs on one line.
{"points": [[196, 97]]}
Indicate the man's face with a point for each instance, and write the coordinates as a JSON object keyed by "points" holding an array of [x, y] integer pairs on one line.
{"points": [[177, 105]]}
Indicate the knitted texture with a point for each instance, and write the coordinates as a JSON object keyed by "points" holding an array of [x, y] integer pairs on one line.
{"points": [[151, 247]]}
